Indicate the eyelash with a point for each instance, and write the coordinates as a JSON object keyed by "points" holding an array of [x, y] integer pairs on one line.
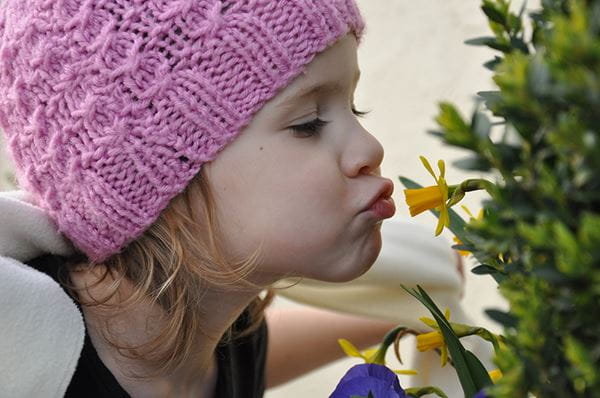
{"points": [[315, 126]]}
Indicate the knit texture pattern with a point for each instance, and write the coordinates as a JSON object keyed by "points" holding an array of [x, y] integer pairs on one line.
{"points": [[110, 107]]}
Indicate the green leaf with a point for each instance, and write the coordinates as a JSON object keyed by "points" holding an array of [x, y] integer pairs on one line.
{"points": [[567, 250], [500, 46], [551, 275], [462, 247], [519, 44], [480, 41], [490, 98], [456, 130], [484, 269], [479, 373], [579, 356], [494, 13], [589, 231], [493, 63], [503, 318]]}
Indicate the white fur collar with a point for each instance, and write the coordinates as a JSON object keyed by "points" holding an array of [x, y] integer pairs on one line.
{"points": [[41, 328]]}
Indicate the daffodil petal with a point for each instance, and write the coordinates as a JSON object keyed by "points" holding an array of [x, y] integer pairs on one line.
{"points": [[429, 322], [427, 166], [440, 226], [443, 221], [370, 355], [446, 217], [442, 167], [466, 209], [407, 372], [349, 348], [443, 188], [447, 314], [444, 357]]}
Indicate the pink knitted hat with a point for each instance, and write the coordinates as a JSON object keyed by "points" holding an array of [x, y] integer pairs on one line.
{"points": [[110, 107]]}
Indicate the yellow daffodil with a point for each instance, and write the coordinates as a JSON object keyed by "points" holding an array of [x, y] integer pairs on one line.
{"points": [[435, 339], [495, 374], [372, 355], [432, 197]]}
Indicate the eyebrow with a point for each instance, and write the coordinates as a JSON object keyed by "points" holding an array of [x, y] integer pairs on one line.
{"points": [[318, 88]]}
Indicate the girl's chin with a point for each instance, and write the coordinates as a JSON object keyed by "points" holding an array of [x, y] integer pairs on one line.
{"points": [[349, 271]]}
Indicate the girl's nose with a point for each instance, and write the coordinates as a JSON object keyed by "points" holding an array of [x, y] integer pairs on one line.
{"points": [[363, 153]]}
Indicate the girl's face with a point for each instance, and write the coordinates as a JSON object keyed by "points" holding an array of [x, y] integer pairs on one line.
{"points": [[302, 191]]}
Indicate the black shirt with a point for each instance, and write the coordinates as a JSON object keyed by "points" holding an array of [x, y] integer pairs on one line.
{"points": [[241, 362]]}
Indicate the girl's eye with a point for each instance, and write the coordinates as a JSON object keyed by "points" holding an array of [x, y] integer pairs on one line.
{"points": [[359, 113], [314, 127], [308, 129]]}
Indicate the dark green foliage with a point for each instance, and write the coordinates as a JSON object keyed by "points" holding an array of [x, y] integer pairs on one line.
{"points": [[541, 226]]}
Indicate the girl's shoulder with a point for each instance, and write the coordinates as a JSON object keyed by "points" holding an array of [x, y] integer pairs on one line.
{"points": [[241, 361]]}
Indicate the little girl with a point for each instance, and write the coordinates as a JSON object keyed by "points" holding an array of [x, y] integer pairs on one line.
{"points": [[177, 158]]}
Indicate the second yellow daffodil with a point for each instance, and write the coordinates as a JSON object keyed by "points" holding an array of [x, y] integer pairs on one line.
{"points": [[433, 340]]}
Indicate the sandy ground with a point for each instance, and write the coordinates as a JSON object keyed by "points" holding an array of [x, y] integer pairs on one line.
{"points": [[412, 57]]}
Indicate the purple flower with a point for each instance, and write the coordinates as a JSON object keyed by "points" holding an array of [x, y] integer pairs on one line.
{"points": [[480, 394], [361, 379]]}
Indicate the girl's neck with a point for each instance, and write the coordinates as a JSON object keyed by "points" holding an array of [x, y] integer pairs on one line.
{"points": [[197, 376]]}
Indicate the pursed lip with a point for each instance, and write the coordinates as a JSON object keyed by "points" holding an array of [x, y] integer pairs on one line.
{"points": [[385, 191]]}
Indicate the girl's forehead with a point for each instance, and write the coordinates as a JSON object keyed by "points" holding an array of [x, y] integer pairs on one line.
{"points": [[289, 100], [333, 70]]}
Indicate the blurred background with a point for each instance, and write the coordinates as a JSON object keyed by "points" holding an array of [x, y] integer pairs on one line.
{"points": [[412, 57]]}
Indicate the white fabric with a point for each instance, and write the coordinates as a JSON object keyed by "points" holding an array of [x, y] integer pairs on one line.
{"points": [[41, 328]]}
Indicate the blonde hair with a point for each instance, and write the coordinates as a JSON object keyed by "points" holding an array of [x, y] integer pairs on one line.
{"points": [[169, 264]]}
